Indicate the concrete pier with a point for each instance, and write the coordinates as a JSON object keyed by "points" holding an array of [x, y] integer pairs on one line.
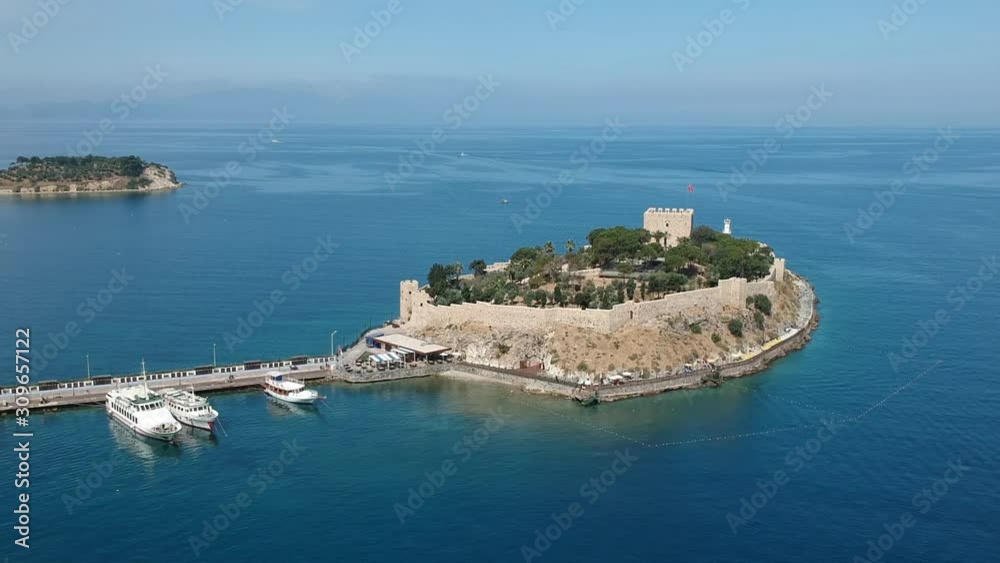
{"points": [[72, 395]]}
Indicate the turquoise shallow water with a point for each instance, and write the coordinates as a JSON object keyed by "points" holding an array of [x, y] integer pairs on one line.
{"points": [[699, 453]]}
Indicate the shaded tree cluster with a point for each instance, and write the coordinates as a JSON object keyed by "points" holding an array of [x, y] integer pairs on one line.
{"points": [[637, 264], [76, 169]]}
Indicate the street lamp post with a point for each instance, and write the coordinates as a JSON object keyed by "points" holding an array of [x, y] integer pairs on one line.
{"points": [[332, 354], [213, 355], [88, 366]]}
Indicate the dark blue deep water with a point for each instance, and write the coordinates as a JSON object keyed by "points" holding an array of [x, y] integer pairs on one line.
{"points": [[700, 454]]}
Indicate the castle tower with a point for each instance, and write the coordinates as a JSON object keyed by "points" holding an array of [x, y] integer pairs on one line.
{"points": [[673, 222], [779, 269], [408, 290], [727, 226]]}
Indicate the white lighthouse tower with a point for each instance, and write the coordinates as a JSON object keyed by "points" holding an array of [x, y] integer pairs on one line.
{"points": [[727, 226]]}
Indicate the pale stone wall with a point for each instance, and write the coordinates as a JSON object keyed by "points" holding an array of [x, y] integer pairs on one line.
{"points": [[763, 287], [418, 310], [733, 292], [778, 271], [409, 291], [677, 223]]}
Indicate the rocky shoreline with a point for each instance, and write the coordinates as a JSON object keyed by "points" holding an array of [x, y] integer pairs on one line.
{"points": [[705, 377]]}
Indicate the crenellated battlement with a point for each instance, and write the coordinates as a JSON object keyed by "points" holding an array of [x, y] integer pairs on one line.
{"points": [[670, 210]]}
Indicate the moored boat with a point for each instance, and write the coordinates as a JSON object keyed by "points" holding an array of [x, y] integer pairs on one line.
{"points": [[284, 388], [142, 411], [190, 409]]}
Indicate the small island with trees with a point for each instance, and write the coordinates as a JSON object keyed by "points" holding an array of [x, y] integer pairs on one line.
{"points": [[57, 175]]}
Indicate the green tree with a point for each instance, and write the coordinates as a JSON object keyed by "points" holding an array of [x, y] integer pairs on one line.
{"points": [[478, 267], [570, 246], [762, 303], [703, 234], [616, 244], [438, 279], [736, 328], [742, 258], [630, 289]]}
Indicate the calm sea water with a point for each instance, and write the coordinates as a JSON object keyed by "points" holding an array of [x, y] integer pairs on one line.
{"points": [[332, 496]]}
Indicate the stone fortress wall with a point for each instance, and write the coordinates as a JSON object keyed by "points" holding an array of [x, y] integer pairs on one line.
{"points": [[416, 307]]}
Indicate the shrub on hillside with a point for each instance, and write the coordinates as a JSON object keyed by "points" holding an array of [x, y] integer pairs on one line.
{"points": [[736, 328]]}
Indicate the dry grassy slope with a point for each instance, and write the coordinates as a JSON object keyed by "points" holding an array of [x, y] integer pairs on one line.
{"points": [[655, 346]]}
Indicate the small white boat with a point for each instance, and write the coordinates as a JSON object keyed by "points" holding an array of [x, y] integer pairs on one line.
{"points": [[461, 155], [142, 411], [284, 388], [275, 141], [190, 409]]}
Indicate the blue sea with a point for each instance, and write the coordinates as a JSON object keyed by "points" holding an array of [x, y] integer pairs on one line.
{"points": [[878, 441]]}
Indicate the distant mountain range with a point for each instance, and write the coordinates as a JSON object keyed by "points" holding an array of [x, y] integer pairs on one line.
{"points": [[380, 100]]}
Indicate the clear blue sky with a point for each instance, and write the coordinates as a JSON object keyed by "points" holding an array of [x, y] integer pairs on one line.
{"points": [[608, 58]]}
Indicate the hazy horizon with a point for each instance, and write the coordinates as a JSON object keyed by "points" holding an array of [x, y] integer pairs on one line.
{"points": [[719, 63]]}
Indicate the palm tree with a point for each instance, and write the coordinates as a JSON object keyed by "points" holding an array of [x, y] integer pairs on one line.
{"points": [[570, 246], [661, 238], [550, 248]]}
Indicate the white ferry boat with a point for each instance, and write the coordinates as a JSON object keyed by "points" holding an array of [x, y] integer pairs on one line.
{"points": [[190, 409], [284, 388], [142, 411]]}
